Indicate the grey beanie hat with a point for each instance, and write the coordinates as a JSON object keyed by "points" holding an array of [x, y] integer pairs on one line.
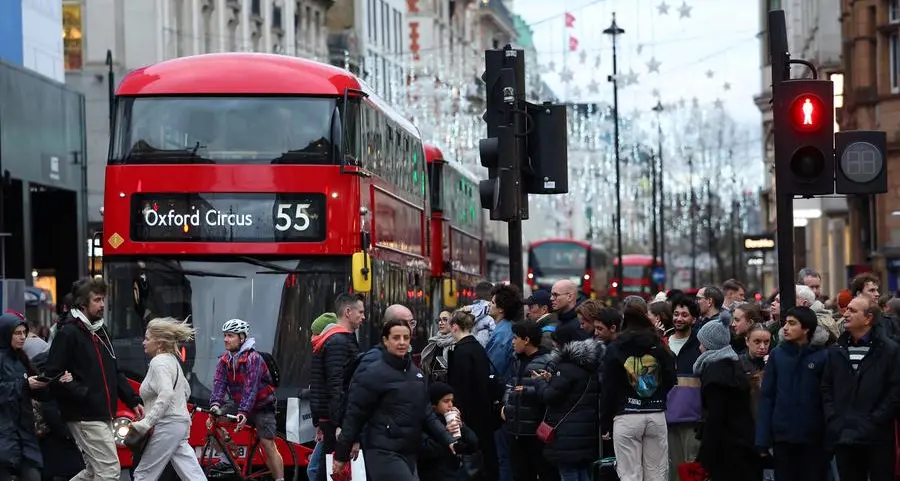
{"points": [[714, 335]]}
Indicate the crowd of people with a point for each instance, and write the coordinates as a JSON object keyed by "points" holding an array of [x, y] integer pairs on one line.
{"points": [[553, 387]]}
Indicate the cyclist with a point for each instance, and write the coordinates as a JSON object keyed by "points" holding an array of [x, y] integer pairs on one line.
{"points": [[243, 374]]}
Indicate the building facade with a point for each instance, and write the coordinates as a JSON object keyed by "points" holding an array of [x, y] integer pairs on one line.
{"points": [[821, 225], [108, 38]]}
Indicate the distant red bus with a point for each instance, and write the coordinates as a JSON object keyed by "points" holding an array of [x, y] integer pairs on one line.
{"points": [[551, 260], [637, 276], [258, 186], [457, 231]]}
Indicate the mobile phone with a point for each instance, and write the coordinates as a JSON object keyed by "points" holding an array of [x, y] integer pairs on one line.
{"points": [[45, 378]]}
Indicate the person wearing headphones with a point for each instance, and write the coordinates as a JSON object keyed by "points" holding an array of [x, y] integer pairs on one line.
{"points": [[243, 374]]}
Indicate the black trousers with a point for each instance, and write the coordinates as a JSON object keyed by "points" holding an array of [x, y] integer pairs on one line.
{"points": [[389, 466], [865, 462], [526, 459], [25, 473], [800, 462], [329, 442]]}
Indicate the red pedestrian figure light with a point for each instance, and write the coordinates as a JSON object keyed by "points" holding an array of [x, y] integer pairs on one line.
{"points": [[807, 112]]}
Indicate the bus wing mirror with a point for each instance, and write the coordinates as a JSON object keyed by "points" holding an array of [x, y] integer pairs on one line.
{"points": [[337, 137], [361, 272], [450, 296]]}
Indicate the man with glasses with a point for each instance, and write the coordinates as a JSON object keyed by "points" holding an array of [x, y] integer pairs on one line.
{"points": [[395, 311], [711, 300], [564, 297]]}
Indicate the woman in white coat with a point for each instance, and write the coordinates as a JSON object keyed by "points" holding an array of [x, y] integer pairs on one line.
{"points": [[165, 392]]}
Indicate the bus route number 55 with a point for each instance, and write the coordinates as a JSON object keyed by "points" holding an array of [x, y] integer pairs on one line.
{"points": [[292, 216]]}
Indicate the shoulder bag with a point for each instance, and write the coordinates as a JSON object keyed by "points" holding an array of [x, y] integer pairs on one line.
{"points": [[136, 441], [547, 433]]}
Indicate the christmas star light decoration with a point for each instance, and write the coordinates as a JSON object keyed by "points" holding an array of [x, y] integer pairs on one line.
{"points": [[710, 73], [551, 66], [582, 57], [593, 87], [695, 102], [655, 93], [727, 86], [663, 8], [684, 11], [640, 48], [631, 78], [566, 75], [653, 65], [718, 104], [597, 61], [576, 92]]}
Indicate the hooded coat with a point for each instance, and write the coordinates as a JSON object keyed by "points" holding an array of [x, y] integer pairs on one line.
{"points": [[571, 397], [18, 442]]}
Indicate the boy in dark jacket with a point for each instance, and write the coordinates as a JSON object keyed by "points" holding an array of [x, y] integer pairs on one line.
{"points": [[789, 414], [523, 410], [435, 462]]}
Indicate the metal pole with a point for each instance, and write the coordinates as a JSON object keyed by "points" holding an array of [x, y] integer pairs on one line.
{"points": [[653, 223], [661, 207], [111, 90], [615, 31], [735, 211], [693, 220], [516, 269]]}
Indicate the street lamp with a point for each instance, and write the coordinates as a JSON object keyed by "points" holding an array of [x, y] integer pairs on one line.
{"points": [[693, 217], [614, 31], [659, 208]]}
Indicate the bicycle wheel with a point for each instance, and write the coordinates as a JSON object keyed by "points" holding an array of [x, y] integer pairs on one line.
{"points": [[256, 459], [216, 463]]}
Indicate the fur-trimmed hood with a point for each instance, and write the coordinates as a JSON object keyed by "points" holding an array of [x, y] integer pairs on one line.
{"points": [[585, 354], [819, 339]]}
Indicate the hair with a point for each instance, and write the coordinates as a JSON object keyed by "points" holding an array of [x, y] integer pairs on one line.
{"points": [[859, 282], [483, 290], [528, 330], [663, 311], [894, 305], [392, 323], [169, 332], [732, 285], [589, 310], [687, 303], [807, 272], [882, 301], [635, 301], [343, 301], [464, 319], [753, 312], [636, 320], [84, 288], [673, 293], [610, 317], [509, 300], [65, 305], [805, 293], [758, 327], [714, 293]]}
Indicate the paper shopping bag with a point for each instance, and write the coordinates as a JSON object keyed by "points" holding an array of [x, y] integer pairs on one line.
{"points": [[357, 469]]}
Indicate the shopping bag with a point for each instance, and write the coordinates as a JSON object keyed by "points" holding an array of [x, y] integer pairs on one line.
{"points": [[692, 472], [357, 468]]}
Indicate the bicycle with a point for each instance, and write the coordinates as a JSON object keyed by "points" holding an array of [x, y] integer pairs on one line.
{"points": [[224, 458]]}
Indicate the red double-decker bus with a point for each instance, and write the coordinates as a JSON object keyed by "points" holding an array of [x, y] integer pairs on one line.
{"points": [[457, 230], [257, 186], [551, 260], [637, 276]]}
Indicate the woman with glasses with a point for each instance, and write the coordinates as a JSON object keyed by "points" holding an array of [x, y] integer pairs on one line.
{"points": [[434, 356]]}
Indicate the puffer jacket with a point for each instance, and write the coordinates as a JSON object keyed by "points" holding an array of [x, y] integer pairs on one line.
{"points": [[437, 463], [571, 397], [333, 351], [524, 410], [18, 441], [389, 408], [790, 403]]}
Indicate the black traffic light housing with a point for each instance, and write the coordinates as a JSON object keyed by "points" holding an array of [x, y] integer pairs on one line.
{"points": [[804, 144], [860, 162], [499, 192], [546, 169]]}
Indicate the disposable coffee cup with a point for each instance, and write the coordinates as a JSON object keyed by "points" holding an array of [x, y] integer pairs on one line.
{"points": [[450, 416]]}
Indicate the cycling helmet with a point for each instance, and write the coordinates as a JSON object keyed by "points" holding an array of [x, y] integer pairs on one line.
{"points": [[236, 326]]}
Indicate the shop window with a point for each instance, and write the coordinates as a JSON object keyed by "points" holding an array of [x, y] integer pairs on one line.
{"points": [[73, 42]]}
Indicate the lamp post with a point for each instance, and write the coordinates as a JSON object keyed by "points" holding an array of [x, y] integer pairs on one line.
{"points": [[614, 31], [659, 179], [693, 217]]}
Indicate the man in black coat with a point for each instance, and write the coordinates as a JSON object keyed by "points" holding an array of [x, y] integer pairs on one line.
{"points": [[333, 351], [88, 403], [861, 395]]}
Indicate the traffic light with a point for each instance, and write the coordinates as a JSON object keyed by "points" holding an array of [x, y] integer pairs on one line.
{"points": [[859, 156], [546, 168], [804, 136], [499, 193]]}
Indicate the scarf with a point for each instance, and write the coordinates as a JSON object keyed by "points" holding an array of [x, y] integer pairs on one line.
{"points": [[709, 357], [92, 327], [440, 341]]}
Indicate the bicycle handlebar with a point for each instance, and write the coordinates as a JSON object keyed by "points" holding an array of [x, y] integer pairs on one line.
{"points": [[216, 413]]}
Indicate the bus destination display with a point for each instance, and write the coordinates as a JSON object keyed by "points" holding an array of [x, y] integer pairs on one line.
{"points": [[238, 217]]}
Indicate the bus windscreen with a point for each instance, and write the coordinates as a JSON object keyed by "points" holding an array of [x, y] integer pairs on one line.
{"points": [[559, 257]]}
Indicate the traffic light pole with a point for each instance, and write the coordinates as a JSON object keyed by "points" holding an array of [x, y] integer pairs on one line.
{"points": [[514, 226]]}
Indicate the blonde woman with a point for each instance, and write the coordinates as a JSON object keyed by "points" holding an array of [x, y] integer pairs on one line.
{"points": [[165, 391]]}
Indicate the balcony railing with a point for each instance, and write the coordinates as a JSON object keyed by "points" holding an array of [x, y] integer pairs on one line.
{"points": [[499, 10]]}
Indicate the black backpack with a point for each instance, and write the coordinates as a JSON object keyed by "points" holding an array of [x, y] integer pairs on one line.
{"points": [[272, 366]]}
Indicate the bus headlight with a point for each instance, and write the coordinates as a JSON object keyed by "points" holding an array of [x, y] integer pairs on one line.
{"points": [[120, 429]]}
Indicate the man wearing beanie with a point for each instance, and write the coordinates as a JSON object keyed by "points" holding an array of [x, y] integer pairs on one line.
{"points": [[861, 395], [435, 462], [726, 435], [319, 326], [791, 389]]}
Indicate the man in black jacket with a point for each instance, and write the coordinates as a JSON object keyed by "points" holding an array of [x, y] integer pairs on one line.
{"points": [[861, 395], [333, 351], [88, 403], [564, 297]]}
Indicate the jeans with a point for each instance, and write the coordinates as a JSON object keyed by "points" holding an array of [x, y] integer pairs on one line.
{"points": [[501, 446], [313, 469], [574, 473], [26, 473]]}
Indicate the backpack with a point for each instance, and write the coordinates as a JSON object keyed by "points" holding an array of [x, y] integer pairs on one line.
{"points": [[272, 366]]}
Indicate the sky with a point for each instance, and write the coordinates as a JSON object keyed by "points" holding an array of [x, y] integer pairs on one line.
{"points": [[711, 53]]}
